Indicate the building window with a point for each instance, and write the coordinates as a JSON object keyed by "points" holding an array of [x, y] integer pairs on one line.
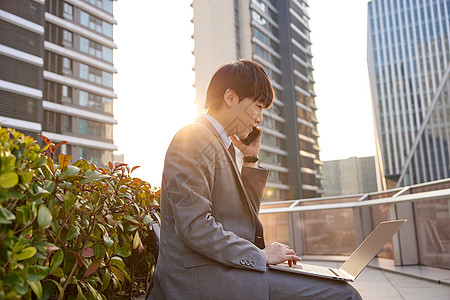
{"points": [[95, 101], [266, 55], [66, 94], [261, 36], [96, 129], [68, 11], [66, 66], [272, 158], [106, 5], [96, 24], [95, 75], [261, 5], [66, 124], [107, 79], [96, 49], [98, 157], [259, 19], [107, 54], [67, 38]]}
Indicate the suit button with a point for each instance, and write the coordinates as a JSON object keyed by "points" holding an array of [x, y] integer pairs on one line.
{"points": [[252, 263], [247, 262], [242, 261]]}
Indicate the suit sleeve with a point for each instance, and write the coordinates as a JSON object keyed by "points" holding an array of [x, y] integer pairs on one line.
{"points": [[254, 180], [189, 177]]}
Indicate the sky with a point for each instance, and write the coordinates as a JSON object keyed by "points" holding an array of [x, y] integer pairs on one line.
{"points": [[155, 80]]}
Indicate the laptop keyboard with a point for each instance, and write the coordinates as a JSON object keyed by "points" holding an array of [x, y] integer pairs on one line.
{"points": [[315, 269]]}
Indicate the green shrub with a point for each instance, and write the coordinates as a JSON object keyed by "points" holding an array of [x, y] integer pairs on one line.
{"points": [[71, 231]]}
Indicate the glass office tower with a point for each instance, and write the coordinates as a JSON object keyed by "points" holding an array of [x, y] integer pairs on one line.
{"points": [[409, 64], [57, 72], [276, 35]]}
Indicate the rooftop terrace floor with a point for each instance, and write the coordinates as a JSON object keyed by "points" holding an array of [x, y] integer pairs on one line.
{"points": [[382, 280]]}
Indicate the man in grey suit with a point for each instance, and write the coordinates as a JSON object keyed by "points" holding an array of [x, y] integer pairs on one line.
{"points": [[212, 244]]}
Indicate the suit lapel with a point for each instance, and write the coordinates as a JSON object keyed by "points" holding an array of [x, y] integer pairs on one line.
{"points": [[204, 122]]}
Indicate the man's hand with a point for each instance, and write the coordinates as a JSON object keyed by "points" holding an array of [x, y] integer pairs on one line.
{"points": [[277, 253], [248, 150]]}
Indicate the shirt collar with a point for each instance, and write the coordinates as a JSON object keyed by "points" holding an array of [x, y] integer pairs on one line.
{"points": [[219, 128]]}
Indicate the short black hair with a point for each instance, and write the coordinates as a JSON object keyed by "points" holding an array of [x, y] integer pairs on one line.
{"points": [[246, 78]]}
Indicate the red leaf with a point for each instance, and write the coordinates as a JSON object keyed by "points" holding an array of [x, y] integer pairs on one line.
{"points": [[77, 257], [134, 168], [87, 252], [46, 139], [111, 166], [93, 267], [49, 249], [60, 144]]}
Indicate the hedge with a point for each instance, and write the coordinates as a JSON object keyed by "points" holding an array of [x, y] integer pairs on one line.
{"points": [[71, 231]]}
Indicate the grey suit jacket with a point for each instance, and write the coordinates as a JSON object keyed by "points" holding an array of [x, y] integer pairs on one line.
{"points": [[208, 215]]}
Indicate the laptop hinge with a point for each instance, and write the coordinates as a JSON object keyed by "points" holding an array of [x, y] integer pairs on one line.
{"points": [[347, 274]]}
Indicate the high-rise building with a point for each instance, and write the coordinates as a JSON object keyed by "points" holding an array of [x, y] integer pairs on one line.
{"points": [[409, 65], [57, 72], [276, 35], [354, 175]]}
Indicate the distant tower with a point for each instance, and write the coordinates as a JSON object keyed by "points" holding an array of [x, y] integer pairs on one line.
{"points": [[276, 35], [354, 175], [56, 75], [409, 65]]}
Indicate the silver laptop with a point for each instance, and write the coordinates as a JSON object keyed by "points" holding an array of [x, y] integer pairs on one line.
{"points": [[356, 262]]}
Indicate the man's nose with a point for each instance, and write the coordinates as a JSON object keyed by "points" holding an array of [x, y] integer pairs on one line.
{"points": [[259, 117]]}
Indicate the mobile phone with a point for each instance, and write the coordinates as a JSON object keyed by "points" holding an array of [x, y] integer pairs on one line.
{"points": [[251, 136]]}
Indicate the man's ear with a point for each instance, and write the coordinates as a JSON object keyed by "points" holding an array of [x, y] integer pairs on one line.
{"points": [[229, 97]]}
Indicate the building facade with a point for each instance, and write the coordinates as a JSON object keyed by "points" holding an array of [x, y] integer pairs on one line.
{"points": [[276, 35], [354, 175], [57, 73], [409, 65]]}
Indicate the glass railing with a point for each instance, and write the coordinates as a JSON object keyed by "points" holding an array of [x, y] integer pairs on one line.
{"points": [[337, 225]]}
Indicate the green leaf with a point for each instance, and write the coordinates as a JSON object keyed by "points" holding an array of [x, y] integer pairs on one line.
{"points": [[36, 287], [15, 194], [108, 241], [27, 176], [56, 260], [48, 289], [123, 251], [44, 216], [26, 253], [6, 217], [69, 171], [61, 290], [106, 280], [130, 218], [80, 295], [74, 231], [39, 162], [117, 273], [92, 175], [147, 220], [58, 272], [117, 261], [69, 199], [8, 180], [36, 273], [136, 240]]}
